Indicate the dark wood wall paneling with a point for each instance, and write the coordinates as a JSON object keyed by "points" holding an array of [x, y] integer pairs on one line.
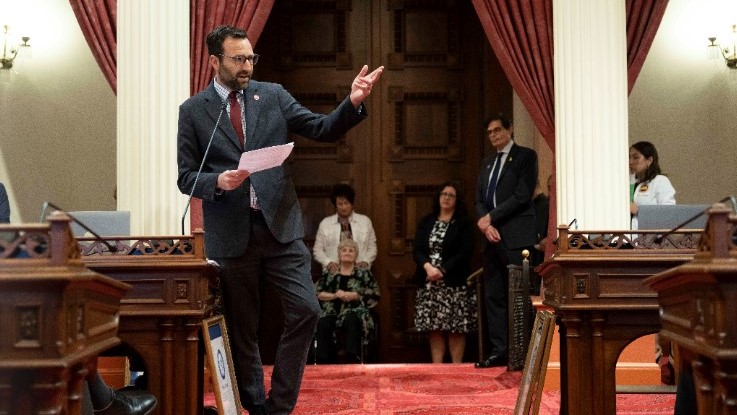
{"points": [[441, 81]]}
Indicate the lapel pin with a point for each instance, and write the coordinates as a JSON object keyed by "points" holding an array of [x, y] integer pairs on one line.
{"points": [[256, 97]]}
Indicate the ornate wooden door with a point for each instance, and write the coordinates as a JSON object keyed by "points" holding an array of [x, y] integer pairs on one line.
{"points": [[424, 127]]}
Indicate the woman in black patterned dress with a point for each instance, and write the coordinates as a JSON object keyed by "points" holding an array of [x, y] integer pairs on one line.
{"points": [[445, 307]]}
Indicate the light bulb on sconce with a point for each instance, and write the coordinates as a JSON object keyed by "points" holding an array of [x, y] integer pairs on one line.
{"points": [[727, 52], [11, 51]]}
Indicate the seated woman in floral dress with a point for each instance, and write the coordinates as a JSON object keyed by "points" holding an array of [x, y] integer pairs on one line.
{"points": [[345, 296]]}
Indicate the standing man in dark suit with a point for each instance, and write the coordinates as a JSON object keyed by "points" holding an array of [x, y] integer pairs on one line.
{"points": [[507, 221], [253, 224]]}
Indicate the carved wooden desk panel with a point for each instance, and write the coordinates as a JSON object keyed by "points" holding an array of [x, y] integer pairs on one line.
{"points": [[697, 302], [595, 287], [160, 318], [55, 317]]}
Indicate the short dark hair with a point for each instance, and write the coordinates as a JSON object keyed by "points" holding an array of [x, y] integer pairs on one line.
{"points": [[506, 123], [219, 34], [342, 190], [647, 149]]}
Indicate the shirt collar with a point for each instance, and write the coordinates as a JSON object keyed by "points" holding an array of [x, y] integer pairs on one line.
{"points": [[508, 147], [350, 217], [223, 91]]}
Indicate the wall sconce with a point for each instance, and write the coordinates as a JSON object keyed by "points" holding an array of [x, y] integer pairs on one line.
{"points": [[10, 52], [729, 53]]}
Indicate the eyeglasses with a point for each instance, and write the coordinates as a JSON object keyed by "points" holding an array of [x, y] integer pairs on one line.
{"points": [[241, 59], [448, 195], [496, 130]]}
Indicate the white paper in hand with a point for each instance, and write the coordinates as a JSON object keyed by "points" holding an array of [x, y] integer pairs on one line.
{"points": [[265, 158]]}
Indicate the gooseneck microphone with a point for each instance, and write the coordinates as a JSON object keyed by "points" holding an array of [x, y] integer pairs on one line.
{"points": [[658, 239], [202, 164], [47, 205]]}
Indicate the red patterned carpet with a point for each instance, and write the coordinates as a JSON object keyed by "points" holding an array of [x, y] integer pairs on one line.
{"points": [[427, 389]]}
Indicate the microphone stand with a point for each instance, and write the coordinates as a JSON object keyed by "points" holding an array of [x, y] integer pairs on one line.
{"points": [[112, 248], [202, 164], [658, 239]]}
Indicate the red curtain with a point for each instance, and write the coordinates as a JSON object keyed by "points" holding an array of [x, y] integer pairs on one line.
{"points": [[97, 19], [205, 15], [521, 34], [643, 20]]}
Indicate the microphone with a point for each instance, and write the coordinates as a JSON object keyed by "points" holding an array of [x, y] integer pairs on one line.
{"points": [[202, 164], [658, 239], [573, 222], [46, 205]]}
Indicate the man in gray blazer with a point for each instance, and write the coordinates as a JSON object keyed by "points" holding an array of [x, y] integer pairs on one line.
{"points": [[507, 221], [253, 224]]}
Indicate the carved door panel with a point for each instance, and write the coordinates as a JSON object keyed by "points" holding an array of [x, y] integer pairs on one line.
{"points": [[424, 126]]}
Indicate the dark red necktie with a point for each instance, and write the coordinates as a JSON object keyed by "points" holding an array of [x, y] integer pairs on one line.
{"points": [[235, 117]]}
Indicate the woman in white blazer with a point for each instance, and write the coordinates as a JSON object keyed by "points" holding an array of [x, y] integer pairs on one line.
{"points": [[650, 186], [344, 224]]}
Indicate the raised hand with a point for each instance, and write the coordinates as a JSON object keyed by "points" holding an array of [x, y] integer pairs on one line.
{"points": [[362, 84]]}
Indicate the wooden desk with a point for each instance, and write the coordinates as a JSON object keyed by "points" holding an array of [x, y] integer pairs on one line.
{"points": [[697, 302], [55, 317], [595, 287], [160, 318]]}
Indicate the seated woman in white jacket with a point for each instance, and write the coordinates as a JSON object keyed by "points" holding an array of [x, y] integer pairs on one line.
{"points": [[650, 186], [344, 224]]}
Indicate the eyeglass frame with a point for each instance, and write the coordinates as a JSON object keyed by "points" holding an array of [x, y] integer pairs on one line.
{"points": [[241, 60], [494, 131], [448, 195]]}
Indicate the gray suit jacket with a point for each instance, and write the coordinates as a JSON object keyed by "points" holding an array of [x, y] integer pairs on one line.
{"points": [[271, 114], [514, 214]]}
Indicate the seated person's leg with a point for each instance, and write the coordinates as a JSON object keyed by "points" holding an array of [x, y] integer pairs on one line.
{"points": [[106, 401], [353, 332], [326, 352], [101, 394]]}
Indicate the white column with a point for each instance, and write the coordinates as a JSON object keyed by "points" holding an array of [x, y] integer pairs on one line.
{"points": [[153, 80], [591, 125]]}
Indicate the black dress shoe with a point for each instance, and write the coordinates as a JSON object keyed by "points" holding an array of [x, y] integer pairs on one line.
{"points": [[491, 361], [139, 404], [258, 410]]}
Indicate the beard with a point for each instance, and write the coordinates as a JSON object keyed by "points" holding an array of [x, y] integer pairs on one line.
{"points": [[231, 80]]}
